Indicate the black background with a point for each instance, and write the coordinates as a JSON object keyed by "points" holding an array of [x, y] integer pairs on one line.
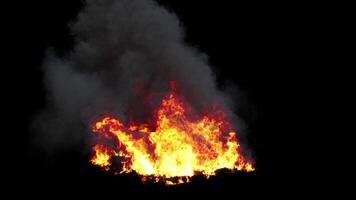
{"points": [[262, 47]]}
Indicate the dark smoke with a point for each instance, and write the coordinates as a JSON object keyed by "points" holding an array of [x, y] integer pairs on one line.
{"points": [[125, 54]]}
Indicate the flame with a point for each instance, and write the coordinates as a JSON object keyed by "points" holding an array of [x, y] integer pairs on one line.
{"points": [[177, 147], [102, 156]]}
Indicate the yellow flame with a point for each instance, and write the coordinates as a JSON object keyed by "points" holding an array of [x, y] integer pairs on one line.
{"points": [[177, 147], [101, 157]]}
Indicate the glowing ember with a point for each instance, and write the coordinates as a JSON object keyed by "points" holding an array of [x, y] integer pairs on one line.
{"points": [[175, 150]]}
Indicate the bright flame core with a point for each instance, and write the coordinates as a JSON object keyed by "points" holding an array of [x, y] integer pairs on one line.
{"points": [[178, 147]]}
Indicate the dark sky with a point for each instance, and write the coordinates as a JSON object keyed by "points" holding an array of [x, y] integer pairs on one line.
{"points": [[257, 46]]}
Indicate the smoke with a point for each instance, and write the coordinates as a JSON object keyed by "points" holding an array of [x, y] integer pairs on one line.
{"points": [[125, 54]]}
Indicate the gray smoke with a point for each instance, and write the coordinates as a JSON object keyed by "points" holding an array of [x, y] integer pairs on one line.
{"points": [[125, 54]]}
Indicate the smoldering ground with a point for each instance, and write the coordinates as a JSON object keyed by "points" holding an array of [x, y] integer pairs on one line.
{"points": [[124, 55]]}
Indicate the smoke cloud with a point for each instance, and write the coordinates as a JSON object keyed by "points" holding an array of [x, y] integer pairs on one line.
{"points": [[125, 54]]}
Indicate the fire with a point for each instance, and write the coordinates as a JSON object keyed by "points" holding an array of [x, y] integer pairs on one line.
{"points": [[101, 157], [176, 149]]}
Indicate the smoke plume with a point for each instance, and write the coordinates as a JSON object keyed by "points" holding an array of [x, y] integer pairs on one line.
{"points": [[125, 54]]}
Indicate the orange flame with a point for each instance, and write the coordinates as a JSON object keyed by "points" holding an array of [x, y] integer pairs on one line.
{"points": [[178, 147]]}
